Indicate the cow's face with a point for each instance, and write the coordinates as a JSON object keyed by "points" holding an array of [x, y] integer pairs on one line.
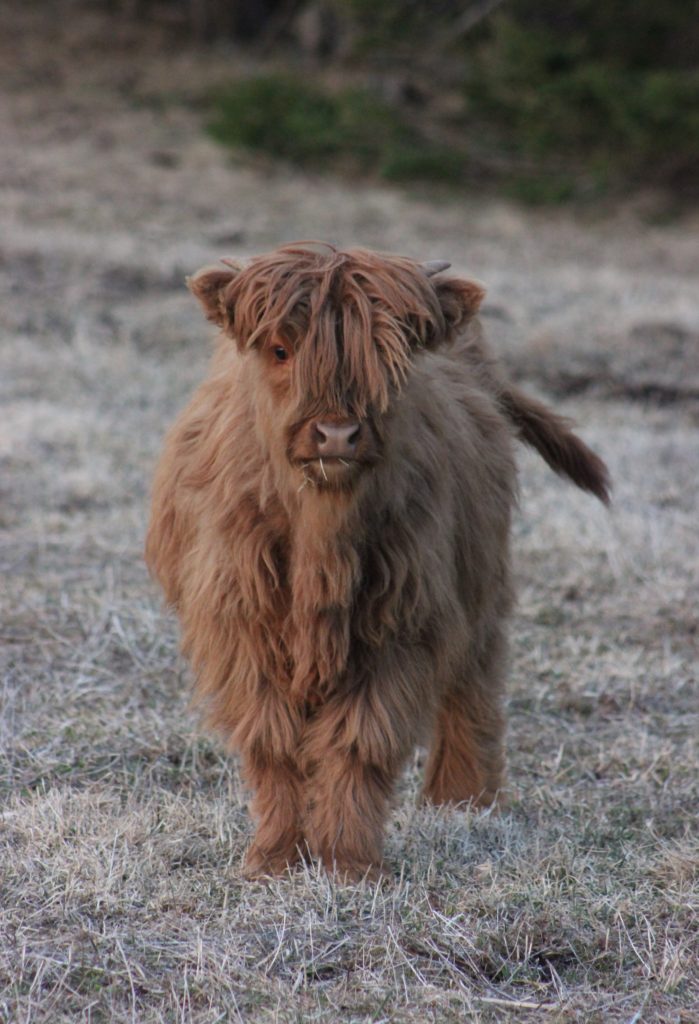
{"points": [[329, 338]]}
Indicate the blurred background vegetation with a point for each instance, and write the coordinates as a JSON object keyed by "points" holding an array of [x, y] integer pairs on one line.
{"points": [[542, 99]]}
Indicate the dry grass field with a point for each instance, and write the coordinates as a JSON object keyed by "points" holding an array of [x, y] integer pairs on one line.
{"points": [[122, 826]]}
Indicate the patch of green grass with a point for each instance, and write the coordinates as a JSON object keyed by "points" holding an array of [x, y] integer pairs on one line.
{"points": [[350, 130]]}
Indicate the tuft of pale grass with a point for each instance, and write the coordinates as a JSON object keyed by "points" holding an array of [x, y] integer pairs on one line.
{"points": [[122, 827]]}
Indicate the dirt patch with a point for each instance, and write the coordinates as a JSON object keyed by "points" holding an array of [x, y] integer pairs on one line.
{"points": [[653, 362]]}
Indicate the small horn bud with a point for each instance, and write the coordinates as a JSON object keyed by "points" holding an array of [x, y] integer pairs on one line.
{"points": [[432, 267]]}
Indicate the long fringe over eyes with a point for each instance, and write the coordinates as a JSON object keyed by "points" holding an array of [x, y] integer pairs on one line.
{"points": [[354, 318]]}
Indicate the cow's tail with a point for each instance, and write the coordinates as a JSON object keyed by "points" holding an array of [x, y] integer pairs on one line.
{"points": [[550, 434]]}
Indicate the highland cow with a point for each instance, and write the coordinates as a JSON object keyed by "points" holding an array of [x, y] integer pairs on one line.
{"points": [[331, 520]]}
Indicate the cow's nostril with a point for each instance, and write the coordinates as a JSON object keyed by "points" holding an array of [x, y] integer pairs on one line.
{"points": [[337, 439]]}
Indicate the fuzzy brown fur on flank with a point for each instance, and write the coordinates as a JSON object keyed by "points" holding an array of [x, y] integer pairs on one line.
{"points": [[336, 615]]}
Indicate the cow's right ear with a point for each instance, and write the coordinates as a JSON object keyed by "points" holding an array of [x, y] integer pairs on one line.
{"points": [[212, 287]]}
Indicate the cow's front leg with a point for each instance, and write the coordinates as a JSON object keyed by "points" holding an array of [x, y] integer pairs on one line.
{"points": [[267, 735], [354, 750], [348, 804], [276, 808]]}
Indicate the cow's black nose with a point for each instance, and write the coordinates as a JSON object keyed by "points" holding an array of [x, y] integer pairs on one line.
{"points": [[337, 440]]}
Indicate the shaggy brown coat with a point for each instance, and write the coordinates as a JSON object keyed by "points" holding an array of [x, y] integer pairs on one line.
{"points": [[338, 612]]}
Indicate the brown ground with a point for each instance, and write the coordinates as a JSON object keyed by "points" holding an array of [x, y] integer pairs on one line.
{"points": [[122, 828]]}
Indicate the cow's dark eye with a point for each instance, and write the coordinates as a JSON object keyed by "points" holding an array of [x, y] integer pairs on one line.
{"points": [[280, 353]]}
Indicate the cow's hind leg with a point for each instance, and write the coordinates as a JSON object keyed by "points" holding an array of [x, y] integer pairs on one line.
{"points": [[467, 758]]}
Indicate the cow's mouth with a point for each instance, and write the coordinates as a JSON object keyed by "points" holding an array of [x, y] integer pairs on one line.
{"points": [[329, 472]]}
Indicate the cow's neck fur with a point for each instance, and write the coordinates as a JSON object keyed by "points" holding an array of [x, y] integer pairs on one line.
{"points": [[307, 603], [292, 559], [324, 574]]}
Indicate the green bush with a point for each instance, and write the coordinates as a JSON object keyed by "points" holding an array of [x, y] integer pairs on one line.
{"points": [[558, 100], [589, 104], [350, 130], [397, 24]]}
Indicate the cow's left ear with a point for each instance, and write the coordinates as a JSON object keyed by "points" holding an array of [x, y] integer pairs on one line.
{"points": [[460, 300], [211, 286]]}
